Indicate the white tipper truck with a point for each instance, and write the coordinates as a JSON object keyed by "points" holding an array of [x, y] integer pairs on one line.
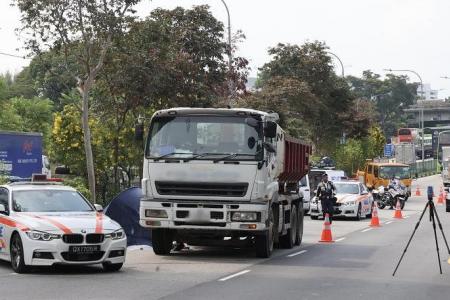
{"points": [[215, 177], [445, 165]]}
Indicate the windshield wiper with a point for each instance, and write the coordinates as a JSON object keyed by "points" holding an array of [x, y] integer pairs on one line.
{"points": [[168, 154], [232, 155]]}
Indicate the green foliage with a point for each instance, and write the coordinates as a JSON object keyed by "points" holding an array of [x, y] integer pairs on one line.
{"points": [[299, 83], [80, 184], [389, 95], [3, 180], [375, 142], [350, 156]]}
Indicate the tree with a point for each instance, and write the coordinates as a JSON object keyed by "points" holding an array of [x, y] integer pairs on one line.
{"points": [[389, 95], [83, 29], [302, 84], [350, 156]]}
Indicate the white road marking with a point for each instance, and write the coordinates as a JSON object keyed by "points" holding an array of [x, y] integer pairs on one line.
{"points": [[297, 253], [389, 222], [367, 229], [234, 275], [341, 239], [406, 217]]}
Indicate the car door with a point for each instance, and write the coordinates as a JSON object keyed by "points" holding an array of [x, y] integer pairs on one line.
{"points": [[5, 229]]}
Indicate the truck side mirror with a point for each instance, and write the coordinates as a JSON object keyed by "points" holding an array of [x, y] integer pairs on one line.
{"points": [[269, 147], [270, 129], [139, 132]]}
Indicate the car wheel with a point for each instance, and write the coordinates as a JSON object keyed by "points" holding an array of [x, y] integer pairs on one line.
{"points": [[109, 267], [17, 257], [314, 217]]}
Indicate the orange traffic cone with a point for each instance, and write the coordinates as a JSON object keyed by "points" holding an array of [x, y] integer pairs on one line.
{"points": [[440, 199], [326, 232], [375, 222], [418, 191], [398, 211]]}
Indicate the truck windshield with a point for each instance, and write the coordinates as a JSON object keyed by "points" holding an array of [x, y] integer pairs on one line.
{"points": [[387, 172], [203, 137]]}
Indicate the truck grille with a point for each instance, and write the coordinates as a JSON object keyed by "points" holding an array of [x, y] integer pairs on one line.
{"points": [[201, 189]]}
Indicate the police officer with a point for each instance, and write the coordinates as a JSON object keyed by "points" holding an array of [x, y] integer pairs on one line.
{"points": [[325, 192]]}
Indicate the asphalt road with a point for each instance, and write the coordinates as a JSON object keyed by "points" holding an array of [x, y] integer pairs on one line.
{"points": [[358, 265]]}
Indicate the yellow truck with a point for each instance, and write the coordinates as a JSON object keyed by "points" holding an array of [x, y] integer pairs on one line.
{"points": [[376, 174]]}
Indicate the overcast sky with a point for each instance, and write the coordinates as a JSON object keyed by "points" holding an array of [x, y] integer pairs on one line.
{"points": [[365, 34]]}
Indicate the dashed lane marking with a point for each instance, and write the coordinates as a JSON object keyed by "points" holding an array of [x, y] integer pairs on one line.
{"points": [[389, 222], [406, 217], [234, 275], [367, 229], [340, 239], [297, 253]]}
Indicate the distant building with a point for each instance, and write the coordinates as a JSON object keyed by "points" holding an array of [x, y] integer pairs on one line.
{"points": [[428, 93], [435, 113]]}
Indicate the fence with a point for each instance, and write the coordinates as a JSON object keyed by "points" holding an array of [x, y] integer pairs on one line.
{"points": [[423, 168]]}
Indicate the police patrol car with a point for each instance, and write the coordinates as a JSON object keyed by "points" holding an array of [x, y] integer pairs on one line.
{"points": [[353, 200], [44, 223]]}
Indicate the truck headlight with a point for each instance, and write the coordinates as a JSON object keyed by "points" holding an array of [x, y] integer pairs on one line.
{"points": [[116, 235], [42, 236], [155, 213], [244, 216]]}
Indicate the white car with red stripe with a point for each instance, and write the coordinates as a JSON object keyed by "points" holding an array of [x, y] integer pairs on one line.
{"points": [[43, 224], [353, 201]]}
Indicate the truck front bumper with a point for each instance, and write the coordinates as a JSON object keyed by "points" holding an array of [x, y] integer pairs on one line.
{"points": [[205, 215]]}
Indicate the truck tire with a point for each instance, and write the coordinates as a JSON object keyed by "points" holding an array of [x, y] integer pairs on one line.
{"points": [[288, 240], [161, 241], [264, 243], [299, 237]]}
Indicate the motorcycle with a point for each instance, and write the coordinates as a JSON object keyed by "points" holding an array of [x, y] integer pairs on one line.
{"points": [[388, 196]]}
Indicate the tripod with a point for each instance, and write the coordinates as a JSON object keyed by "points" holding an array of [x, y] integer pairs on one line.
{"points": [[433, 214]]}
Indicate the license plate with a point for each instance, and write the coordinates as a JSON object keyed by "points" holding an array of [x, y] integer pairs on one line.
{"points": [[84, 249]]}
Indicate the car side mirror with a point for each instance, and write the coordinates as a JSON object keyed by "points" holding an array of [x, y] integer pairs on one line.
{"points": [[139, 132], [270, 129], [98, 207], [3, 209]]}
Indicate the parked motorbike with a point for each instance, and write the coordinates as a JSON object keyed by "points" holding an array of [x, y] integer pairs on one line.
{"points": [[388, 196]]}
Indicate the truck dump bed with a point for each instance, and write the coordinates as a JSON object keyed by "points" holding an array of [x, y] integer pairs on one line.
{"points": [[296, 164]]}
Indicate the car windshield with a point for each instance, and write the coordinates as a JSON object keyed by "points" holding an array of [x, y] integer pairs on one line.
{"points": [[49, 201], [346, 188], [388, 172], [203, 137]]}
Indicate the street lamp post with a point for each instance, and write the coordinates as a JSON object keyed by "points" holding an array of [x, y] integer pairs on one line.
{"points": [[230, 57], [421, 106], [340, 61]]}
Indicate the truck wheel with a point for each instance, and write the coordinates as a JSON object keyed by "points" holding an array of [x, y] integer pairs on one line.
{"points": [[288, 240], [264, 243], [161, 241], [299, 237]]}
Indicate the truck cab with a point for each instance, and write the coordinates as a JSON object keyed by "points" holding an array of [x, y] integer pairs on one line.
{"points": [[215, 173], [378, 174]]}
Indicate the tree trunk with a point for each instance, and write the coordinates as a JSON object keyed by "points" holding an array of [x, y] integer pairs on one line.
{"points": [[87, 140]]}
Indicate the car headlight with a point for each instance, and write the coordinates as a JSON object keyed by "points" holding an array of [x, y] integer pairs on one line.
{"points": [[116, 235], [42, 236]]}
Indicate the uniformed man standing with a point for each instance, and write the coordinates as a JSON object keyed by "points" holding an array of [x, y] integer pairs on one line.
{"points": [[325, 192]]}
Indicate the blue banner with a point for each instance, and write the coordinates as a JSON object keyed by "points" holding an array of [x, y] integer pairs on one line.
{"points": [[20, 154]]}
